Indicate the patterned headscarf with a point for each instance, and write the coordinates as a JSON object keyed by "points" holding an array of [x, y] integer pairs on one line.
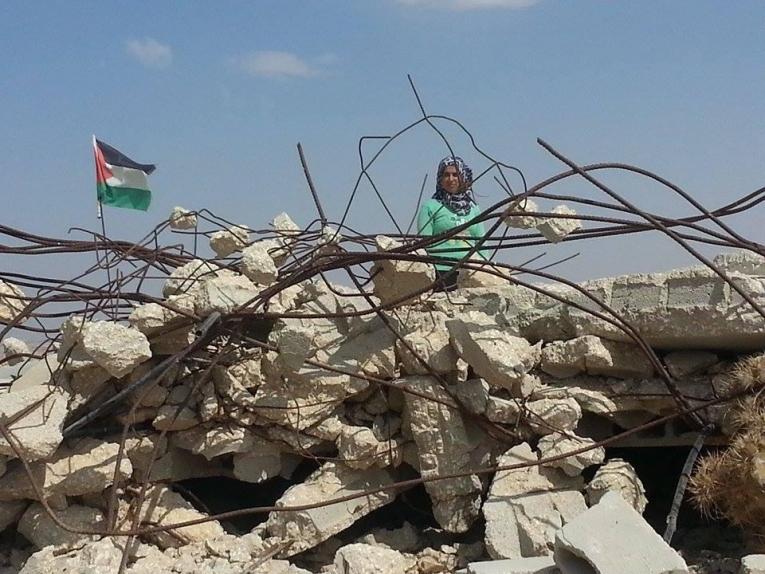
{"points": [[460, 202]]}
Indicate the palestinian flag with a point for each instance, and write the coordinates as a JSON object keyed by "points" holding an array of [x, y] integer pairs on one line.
{"points": [[120, 181]]}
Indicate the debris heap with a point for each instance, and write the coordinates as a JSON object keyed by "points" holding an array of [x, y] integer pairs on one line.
{"points": [[487, 405]]}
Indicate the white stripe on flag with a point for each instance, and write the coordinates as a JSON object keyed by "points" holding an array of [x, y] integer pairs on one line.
{"points": [[127, 177]]}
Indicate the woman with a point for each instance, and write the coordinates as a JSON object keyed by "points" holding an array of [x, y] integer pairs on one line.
{"points": [[451, 206]]}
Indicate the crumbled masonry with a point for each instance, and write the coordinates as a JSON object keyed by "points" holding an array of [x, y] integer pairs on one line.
{"points": [[370, 428]]}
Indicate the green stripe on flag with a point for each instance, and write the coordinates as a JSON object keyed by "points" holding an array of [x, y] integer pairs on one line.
{"points": [[127, 197]]}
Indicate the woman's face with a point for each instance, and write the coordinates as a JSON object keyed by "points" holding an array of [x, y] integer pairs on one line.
{"points": [[450, 180]]}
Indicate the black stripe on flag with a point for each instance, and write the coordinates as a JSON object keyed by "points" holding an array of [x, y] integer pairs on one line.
{"points": [[115, 157]]}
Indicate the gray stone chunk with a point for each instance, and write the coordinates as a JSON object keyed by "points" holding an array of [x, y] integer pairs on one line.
{"points": [[227, 241], [611, 538], [39, 431], [595, 356], [366, 559], [14, 346], [444, 447], [557, 444], [426, 334], [100, 556], [114, 347], [86, 467], [181, 218], [618, 476], [501, 359], [533, 565], [525, 506], [224, 294], [12, 301], [555, 229], [258, 265], [188, 277], [39, 528], [753, 564], [311, 527], [396, 280]]}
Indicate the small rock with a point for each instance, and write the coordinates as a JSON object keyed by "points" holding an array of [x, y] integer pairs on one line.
{"points": [[14, 346], [227, 241], [555, 229], [618, 476], [181, 218]]}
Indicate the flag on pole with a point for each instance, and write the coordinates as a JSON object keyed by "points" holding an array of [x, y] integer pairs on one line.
{"points": [[120, 181]]}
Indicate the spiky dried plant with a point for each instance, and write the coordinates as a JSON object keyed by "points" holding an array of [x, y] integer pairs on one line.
{"points": [[730, 483]]}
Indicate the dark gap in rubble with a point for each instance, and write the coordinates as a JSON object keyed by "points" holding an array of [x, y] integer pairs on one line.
{"points": [[659, 469], [223, 494]]}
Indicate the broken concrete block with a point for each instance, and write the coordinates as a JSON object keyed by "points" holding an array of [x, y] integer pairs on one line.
{"points": [[444, 447], [611, 538], [88, 466], [618, 476], [224, 294], [366, 559], [36, 372], [555, 229], [151, 318], [14, 346], [596, 356], [116, 348], [226, 242], [681, 364], [163, 506], [39, 528], [181, 218], [753, 563], [426, 334], [359, 447], [404, 539], [501, 359], [503, 411], [473, 394], [742, 261], [532, 565], [310, 527], [216, 440], [525, 506], [12, 301], [188, 277], [516, 215], [264, 462], [303, 399], [400, 280], [173, 418], [258, 265], [546, 416], [557, 444], [99, 556], [284, 224], [39, 431], [475, 278]]}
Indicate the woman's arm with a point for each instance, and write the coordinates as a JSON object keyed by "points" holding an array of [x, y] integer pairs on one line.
{"points": [[425, 220], [477, 230]]}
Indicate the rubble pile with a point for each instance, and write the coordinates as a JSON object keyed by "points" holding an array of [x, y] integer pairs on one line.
{"points": [[493, 398]]}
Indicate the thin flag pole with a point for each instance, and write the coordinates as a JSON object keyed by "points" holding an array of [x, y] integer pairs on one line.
{"points": [[100, 215]]}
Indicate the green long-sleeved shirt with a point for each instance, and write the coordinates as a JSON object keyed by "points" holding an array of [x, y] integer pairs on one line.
{"points": [[435, 218]]}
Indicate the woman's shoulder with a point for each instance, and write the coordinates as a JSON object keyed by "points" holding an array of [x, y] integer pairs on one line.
{"points": [[431, 204]]}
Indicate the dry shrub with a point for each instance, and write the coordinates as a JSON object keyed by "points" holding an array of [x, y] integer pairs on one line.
{"points": [[730, 483]]}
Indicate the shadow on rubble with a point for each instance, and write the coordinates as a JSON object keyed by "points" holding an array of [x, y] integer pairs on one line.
{"points": [[698, 537]]}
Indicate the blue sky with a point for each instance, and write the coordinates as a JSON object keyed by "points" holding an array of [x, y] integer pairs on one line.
{"points": [[218, 93]]}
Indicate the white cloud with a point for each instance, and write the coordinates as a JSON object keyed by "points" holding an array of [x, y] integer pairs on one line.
{"points": [[464, 5], [276, 64], [150, 53]]}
